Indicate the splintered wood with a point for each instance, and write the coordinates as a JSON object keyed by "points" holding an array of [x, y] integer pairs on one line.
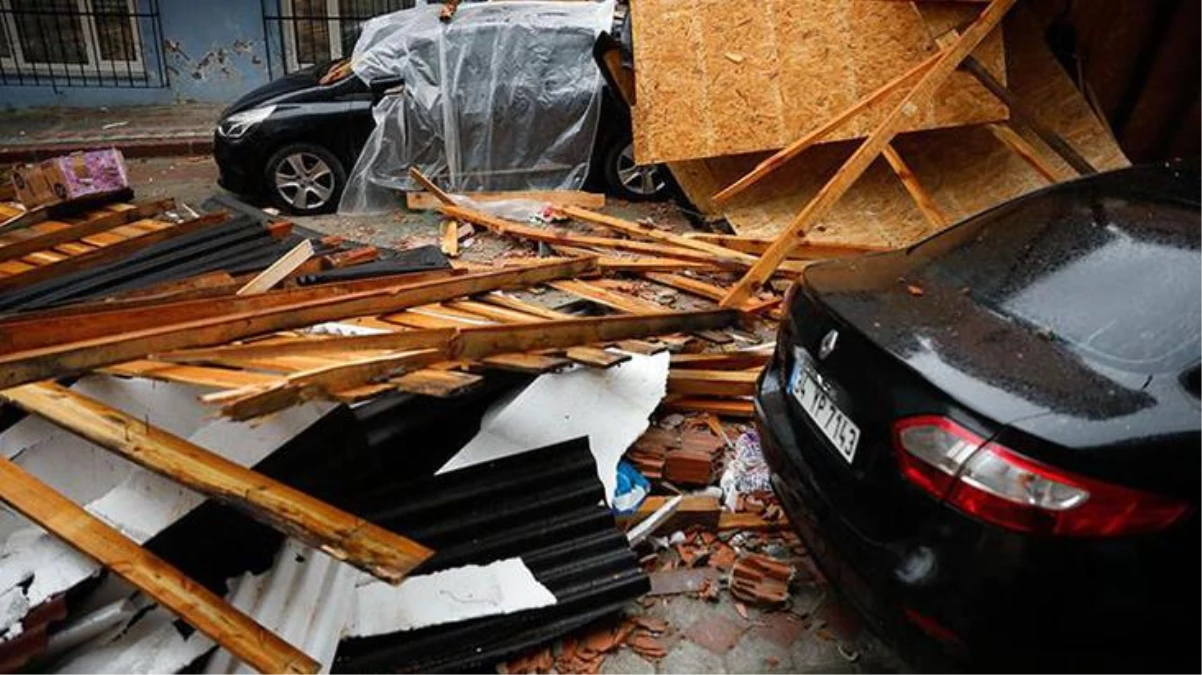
{"points": [[796, 64], [195, 604]]}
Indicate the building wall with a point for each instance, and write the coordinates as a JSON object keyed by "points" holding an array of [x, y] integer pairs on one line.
{"points": [[213, 52]]}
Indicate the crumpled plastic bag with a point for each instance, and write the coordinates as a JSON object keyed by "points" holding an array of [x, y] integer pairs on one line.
{"points": [[747, 472]]}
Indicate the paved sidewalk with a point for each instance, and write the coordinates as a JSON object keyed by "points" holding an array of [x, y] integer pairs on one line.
{"points": [[141, 131]]}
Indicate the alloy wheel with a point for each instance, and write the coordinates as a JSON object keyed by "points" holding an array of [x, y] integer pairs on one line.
{"points": [[304, 181], [645, 180]]}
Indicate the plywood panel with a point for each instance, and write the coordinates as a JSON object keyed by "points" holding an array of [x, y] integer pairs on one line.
{"points": [[966, 169], [715, 77]]}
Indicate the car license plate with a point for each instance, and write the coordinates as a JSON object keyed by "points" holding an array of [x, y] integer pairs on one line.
{"points": [[836, 426]]}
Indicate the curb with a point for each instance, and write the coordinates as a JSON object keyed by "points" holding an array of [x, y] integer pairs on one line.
{"points": [[151, 147]]}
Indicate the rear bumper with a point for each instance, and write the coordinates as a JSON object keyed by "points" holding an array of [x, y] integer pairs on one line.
{"points": [[1014, 602]]}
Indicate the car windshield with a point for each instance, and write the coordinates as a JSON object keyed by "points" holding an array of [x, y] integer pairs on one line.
{"points": [[1117, 278]]}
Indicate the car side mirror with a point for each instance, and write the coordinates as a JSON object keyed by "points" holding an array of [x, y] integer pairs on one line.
{"points": [[383, 86]]}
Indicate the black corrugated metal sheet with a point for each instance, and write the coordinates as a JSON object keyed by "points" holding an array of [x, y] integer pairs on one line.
{"points": [[544, 506], [378, 461]]}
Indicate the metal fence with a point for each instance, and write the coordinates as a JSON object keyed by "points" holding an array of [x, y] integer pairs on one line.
{"points": [[301, 33], [74, 43]]}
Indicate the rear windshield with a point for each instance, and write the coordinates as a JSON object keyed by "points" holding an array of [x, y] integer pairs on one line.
{"points": [[1118, 279]]}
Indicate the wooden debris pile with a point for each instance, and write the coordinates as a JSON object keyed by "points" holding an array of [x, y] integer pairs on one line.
{"points": [[144, 290], [964, 113]]}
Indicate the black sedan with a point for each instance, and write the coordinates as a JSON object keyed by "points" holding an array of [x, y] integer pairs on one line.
{"points": [[991, 440], [293, 140]]}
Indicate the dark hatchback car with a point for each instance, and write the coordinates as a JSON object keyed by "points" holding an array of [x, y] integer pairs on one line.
{"points": [[293, 141], [991, 440]]}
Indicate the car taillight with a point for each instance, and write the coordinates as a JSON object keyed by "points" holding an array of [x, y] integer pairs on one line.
{"points": [[999, 486]]}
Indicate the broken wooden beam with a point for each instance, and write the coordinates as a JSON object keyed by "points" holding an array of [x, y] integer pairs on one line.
{"points": [[465, 344], [1027, 152], [595, 357], [94, 223], [450, 238], [700, 510], [564, 238], [1020, 112], [278, 270], [805, 250], [425, 201], [372, 549], [777, 160], [72, 358], [734, 360], [429, 185], [922, 199], [867, 152], [196, 605], [109, 254]]}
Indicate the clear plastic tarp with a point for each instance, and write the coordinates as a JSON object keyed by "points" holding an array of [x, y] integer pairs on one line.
{"points": [[506, 96]]}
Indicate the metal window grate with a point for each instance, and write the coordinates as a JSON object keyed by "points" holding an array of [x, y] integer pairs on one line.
{"points": [[81, 43], [301, 33]]}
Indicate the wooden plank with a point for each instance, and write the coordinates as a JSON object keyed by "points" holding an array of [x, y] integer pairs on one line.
{"points": [[709, 291], [324, 382], [493, 312], [76, 357], [430, 187], [736, 360], [371, 548], [526, 363], [504, 300], [867, 152], [475, 344], [220, 378], [111, 253], [424, 201], [722, 407], [41, 329], [505, 227], [396, 341], [1019, 146], [278, 270], [771, 164], [712, 382], [655, 234], [438, 383], [922, 199], [450, 238], [604, 296], [93, 223], [595, 357], [635, 264], [641, 347], [805, 250], [166, 585], [701, 510], [1028, 118]]}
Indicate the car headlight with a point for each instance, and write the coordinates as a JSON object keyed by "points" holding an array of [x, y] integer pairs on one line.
{"points": [[236, 125]]}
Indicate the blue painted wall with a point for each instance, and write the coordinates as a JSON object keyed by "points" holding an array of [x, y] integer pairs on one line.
{"points": [[213, 51]]}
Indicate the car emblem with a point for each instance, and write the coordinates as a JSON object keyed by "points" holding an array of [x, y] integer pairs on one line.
{"points": [[828, 344]]}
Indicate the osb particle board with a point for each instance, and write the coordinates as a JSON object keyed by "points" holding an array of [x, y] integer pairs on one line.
{"points": [[965, 169], [715, 77]]}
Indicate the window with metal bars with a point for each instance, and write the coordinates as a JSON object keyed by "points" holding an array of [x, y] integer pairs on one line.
{"points": [[92, 43], [314, 31]]}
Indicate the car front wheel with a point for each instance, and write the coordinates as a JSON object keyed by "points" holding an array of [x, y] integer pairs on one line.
{"points": [[631, 181], [304, 179]]}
